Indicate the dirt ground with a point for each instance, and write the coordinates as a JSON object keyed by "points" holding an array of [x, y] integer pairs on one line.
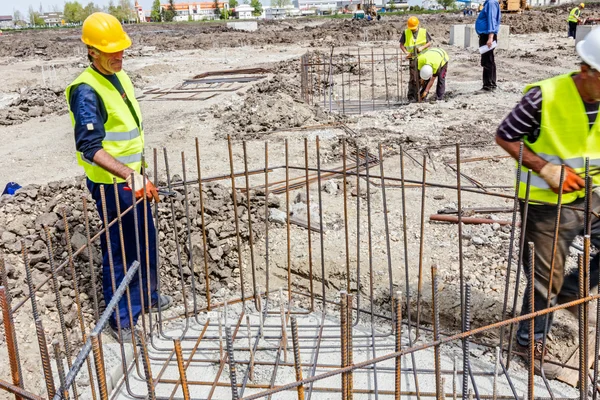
{"points": [[38, 147]]}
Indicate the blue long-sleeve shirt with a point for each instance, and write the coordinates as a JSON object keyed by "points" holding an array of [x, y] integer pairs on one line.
{"points": [[488, 20], [90, 116]]}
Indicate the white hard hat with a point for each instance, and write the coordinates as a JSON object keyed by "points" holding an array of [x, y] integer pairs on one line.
{"points": [[426, 72], [589, 49]]}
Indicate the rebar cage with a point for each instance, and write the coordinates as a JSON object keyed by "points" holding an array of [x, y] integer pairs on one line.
{"points": [[355, 81], [285, 330]]}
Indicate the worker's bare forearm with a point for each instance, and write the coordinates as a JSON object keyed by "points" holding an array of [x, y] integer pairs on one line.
{"points": [[530, 159], [426, 46], [403, 49], [109, 163], [491, 36], [430, 84]]}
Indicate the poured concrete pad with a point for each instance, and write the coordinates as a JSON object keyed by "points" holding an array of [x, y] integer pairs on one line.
{"points": [[201, 373]]}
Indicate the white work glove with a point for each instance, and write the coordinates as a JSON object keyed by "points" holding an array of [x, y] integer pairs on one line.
{"points": [[551, 174], [138, 181]]}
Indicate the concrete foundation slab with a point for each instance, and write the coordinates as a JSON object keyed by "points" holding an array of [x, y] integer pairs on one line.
{"points": [[248, 26]]}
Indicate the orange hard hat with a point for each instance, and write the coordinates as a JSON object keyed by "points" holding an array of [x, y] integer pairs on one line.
{"points": [[413, 23], [582, 5], [104, 32]]}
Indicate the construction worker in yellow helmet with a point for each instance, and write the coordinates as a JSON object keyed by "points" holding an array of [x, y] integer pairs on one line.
{"points": [[574, 19], [109, 138], [414, 41]]}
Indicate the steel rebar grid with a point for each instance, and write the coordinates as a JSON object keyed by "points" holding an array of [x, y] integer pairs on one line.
{"points": [[358, 390]]}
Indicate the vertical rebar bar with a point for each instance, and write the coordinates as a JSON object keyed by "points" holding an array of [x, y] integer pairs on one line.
{"points": [[203, 222], [495, 381], [346, 236], [267, 220], [350, 385], [141, 342], [398, 332], [406, 270], [99, 364], [386, 225], [387, 97], [466, 327], [372, 80], [421, 245], [11, 343], [45, 358], [287, 223], [284, 341], [531, 339], [60, 369], [237, 222], [297, 359], [436, 329], [231, 361], [251, 362], [90, 249], [343, 342], [250, 231], [359, 85], [182, 376]]}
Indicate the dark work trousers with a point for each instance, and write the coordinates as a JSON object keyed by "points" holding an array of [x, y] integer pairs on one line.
{"points": [[540, 231], [413, 80], [129, 239], [488, 63], [572, 29], [440, 88]]}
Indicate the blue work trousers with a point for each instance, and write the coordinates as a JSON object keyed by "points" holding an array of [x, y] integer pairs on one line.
{"points": [[125, 199]]}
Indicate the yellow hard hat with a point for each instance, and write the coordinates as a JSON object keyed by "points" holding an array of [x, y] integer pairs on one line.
{"points": [[413, 23], [582, 5], [105, 33]]}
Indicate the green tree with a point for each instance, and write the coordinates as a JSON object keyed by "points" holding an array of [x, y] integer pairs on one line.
{"points": [[233, 4], [73, 12], [17, 16], [257, 7], [155, 13], [169, 13], [280, 3], [90, 9], [34, 17], [447, 3], [218, 14]]}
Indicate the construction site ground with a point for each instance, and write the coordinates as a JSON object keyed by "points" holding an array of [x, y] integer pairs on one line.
{"points": [[38, 145]]}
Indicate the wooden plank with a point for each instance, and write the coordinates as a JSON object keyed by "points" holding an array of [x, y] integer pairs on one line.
{"points": [[571, 376]]}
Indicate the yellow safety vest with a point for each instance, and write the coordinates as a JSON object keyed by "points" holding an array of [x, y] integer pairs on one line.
{"points": [[574, 15], [124, 139], [565, 137], [437, 58], [409, 40]]}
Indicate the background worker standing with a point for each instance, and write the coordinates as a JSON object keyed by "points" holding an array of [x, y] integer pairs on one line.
{"points": [[558, 121], [109, 138], [433, 65], [487, 26], [414, 41], [574, 19]]}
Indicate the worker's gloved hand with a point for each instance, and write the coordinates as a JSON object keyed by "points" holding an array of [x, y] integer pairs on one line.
{"points": [[424, 95], [551, 174], [149, 191]]}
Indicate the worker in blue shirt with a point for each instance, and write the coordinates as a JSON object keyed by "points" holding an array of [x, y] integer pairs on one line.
{"points": [[487, 27], [109, 138]]}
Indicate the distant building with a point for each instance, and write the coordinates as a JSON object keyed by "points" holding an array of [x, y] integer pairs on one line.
{"points": [[140, 12], [197, 11], [6, 21], [53, 18], [244, 11], [280, 12]]}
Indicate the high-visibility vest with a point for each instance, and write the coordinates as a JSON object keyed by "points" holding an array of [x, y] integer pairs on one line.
{"points": [[409, 40], [124, 139], [437, 58], [565, 137], [574, 15]]}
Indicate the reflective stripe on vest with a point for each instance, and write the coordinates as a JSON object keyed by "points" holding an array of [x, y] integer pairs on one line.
{"points": [[409, 39], [435, 57], [574, 15], [124, 139], [565, 137]]}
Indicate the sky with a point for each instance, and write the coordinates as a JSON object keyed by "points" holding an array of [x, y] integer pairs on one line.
{"points": [[7, 7]]}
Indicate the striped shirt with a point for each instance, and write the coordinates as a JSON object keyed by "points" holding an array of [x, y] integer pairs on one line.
{"points": [[525, 119]]}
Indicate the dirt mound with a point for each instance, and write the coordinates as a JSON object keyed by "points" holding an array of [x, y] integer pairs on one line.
{"points": [[34, 102], [270, 105]]}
